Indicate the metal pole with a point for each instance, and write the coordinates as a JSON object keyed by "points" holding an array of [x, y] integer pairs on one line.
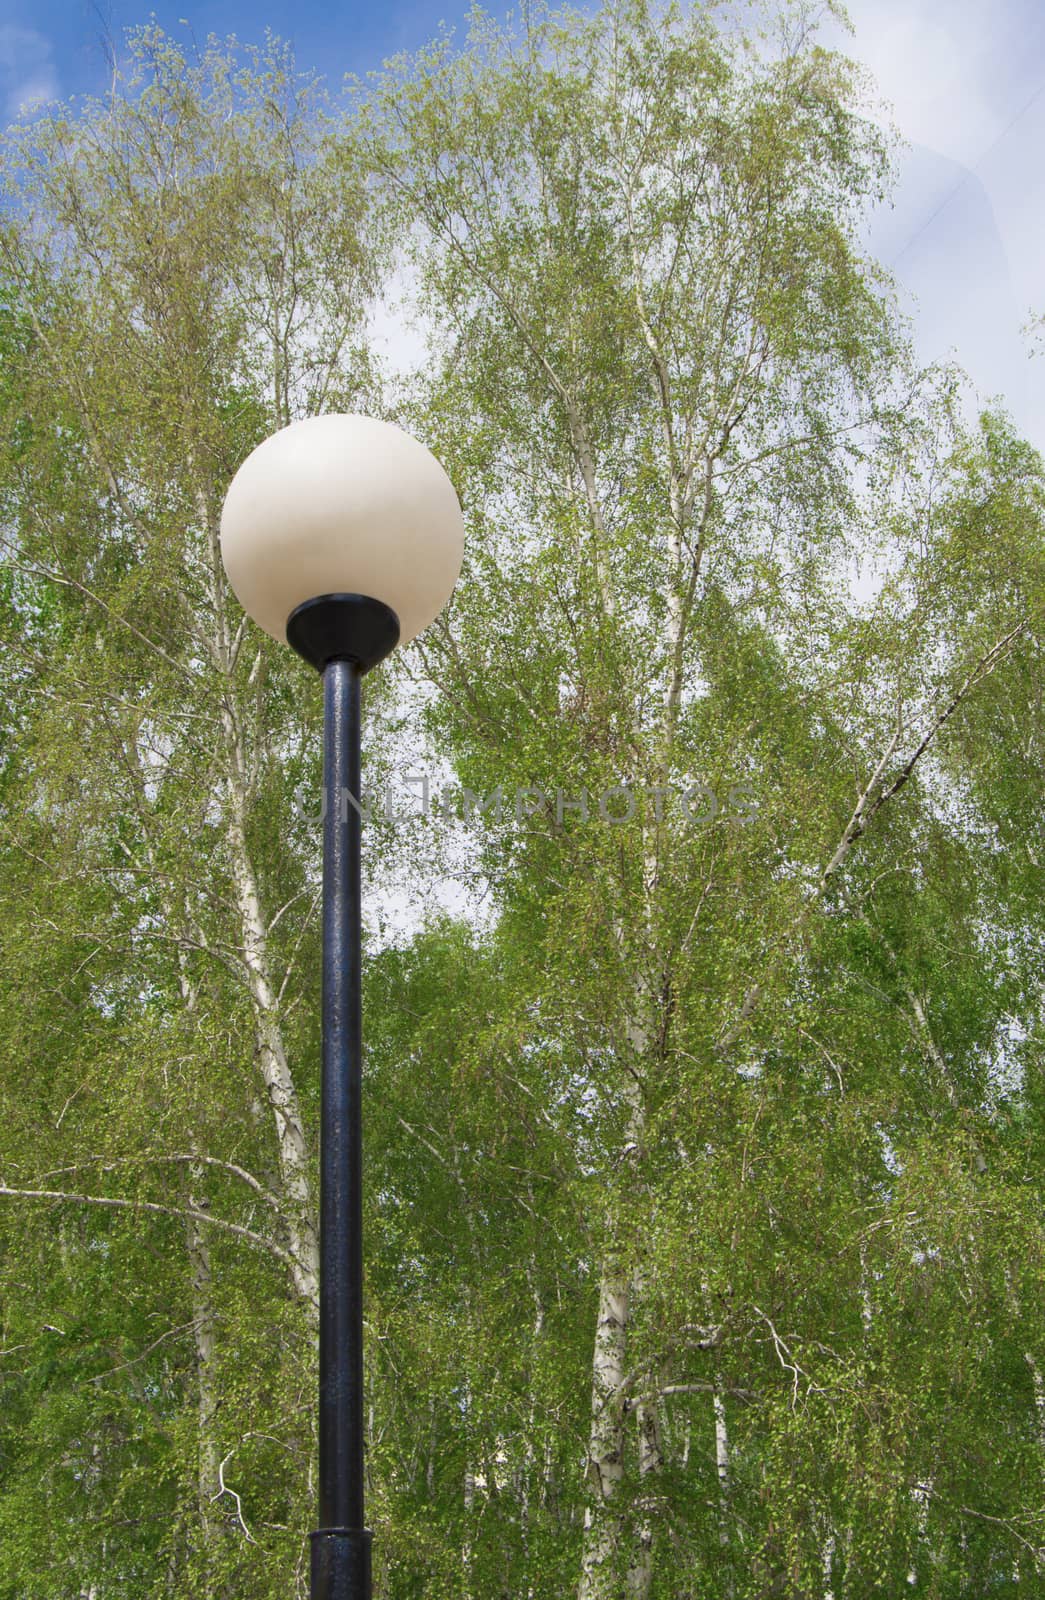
{"points": [[341, 1544], [342, 636]]}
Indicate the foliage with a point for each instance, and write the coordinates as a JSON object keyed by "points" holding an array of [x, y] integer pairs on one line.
{"points": [[703, 1197]]}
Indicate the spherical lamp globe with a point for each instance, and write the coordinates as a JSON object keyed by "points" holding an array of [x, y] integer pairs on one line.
{"points": [[342, 505]]}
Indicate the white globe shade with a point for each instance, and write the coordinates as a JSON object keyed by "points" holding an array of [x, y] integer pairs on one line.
{"points": [[341, 505]]}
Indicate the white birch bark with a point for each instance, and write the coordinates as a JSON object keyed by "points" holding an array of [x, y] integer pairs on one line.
{"points": [[640, 1575], [302, 1240], [1038, 1380], [605, 1467], [722, 1471], [528, 1466], [208, 1481], [430, 1458], [275, 1072], [92, 1475], [828, 1560], [866, 1304], [470, 1487], [936, 1056], [208, 1486], [921, 1494]]}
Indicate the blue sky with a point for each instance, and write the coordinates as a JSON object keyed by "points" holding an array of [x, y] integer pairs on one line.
{"points": [[965, 234], [59, 45]]}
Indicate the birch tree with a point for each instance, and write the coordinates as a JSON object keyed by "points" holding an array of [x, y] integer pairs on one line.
{"points": [[679, 404], [184, 270]]}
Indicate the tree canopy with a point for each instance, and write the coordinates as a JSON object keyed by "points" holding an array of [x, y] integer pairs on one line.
{"points": [[703, 1139]]}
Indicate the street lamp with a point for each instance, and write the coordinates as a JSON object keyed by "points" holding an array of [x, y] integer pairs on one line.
{"points": [[341, 536]]}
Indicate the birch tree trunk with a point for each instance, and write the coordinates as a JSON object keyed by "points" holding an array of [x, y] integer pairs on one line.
{"points": [[469, 1487], [605, 1466], [829, 1566], [298, 1216], [208, 1485], [718, 1402], [647, 1423], [1038, 1381], [302, 1240]]}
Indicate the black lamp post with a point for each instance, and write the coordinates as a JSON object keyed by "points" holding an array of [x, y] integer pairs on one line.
{"points": [[343, 536]]}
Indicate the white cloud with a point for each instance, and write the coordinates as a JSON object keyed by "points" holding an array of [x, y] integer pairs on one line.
{"points": [[28, 78], [965, 232], [928, 62]]}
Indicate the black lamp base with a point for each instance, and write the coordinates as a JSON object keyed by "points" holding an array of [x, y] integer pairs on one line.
{"points": [[341, 1563], [343, 627]]}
